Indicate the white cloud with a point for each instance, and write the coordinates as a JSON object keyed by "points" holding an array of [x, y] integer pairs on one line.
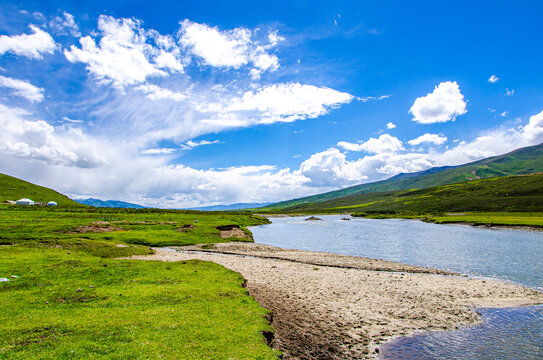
{"points": [[192, 144], [533, 131], [504, 114], [32, 46], [493, 79], [383, 144], [284, 103], [22, 88], [65, 25], [229, 49], [509, 92], [428, 138], [29, 139], [370, 98], [442, 105], [155, 92], [161, 151], [125, 55], [390, 125]]}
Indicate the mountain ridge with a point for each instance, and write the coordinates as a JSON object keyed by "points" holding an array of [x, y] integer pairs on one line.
{"points": [[520, 161]]}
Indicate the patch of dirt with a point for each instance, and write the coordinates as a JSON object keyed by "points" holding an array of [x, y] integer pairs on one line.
{"points": [[186, 228], [231, 231], [95, 229]]}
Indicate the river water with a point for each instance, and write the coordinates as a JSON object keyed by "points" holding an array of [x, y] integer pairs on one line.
{"points": [[504, 254]]}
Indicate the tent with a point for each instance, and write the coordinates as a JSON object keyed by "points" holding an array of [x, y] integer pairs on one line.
{"points": [[24, 201], [52, 203]]}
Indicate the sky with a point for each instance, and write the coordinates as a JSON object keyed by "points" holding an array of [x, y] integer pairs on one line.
{"points": [[178, 104]]}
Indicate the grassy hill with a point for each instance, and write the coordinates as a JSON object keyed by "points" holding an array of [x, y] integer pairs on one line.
{"points": [[12, 188], [512, 193], [521, 161]]}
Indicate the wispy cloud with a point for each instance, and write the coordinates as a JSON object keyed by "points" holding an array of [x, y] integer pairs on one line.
{"points": [[22, 88], [493, 79]]}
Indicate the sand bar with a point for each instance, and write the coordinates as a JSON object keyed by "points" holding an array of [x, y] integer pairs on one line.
{"points": [[345, 306]]}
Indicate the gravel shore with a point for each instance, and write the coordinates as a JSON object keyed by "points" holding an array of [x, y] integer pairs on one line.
{"points": [[328, 306]]}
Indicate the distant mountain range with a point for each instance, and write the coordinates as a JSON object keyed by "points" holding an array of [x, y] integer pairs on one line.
{"points": [[521, 161], [109, 203], [237, 206]]}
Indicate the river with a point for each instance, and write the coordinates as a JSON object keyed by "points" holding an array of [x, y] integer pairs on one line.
{"points": [[503, 254]]}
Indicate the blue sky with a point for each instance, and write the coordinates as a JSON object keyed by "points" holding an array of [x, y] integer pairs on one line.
{"points": [[181, 104]]}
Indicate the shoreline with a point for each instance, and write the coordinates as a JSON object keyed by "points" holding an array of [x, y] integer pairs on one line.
{"points": [[323, 310]]}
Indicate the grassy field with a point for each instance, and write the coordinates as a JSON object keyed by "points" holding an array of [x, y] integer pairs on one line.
{"points": [[69, 297], [492, 219]]}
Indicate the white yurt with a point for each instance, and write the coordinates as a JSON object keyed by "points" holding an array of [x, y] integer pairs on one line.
{"points": [[24, 201], [52, 203]]}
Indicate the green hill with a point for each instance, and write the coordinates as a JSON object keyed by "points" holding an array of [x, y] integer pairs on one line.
{"points": [[521, 161], [511, 193], [12, 188]]}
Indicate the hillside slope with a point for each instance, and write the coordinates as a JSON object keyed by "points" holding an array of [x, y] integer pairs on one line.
{"points": [[12, 188], [511, 193], [521, 161]]}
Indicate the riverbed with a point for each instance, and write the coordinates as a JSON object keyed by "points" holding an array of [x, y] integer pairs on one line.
{"points": [[504, 254]]}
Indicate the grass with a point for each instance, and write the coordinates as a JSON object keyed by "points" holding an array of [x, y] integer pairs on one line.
{"points": [[72, 297], [492, 219]]}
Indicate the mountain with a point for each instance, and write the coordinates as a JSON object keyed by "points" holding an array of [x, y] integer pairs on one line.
{"points": [[109, 203], [521, 161], [12, 188], [237, 206], [509, 193]]}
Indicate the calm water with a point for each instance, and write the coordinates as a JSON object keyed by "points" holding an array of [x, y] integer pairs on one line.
{"points": [[510, 255]]}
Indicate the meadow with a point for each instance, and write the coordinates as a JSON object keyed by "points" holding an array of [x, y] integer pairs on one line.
{"points": [[70, 296]]}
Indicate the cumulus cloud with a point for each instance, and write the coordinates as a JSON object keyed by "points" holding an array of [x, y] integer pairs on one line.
{"points": [[390, 125], [29, 139], [493, 79], [65, 25], [383, 144], [32, 46], [428, 138], [126, 54], [442, 105], [228, 49], [22, 88]]}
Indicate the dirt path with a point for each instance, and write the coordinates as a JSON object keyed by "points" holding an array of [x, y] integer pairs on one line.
{"points": [[330, 312]]}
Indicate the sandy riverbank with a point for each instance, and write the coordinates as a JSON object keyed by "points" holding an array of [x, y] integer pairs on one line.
{"points": [[328, 306]]}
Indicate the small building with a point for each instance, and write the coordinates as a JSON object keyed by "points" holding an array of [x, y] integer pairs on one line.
{"points": [[24, 201], [52, 203]]}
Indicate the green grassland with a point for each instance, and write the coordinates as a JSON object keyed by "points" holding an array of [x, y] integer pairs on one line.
{"points": [[522, 161], [73, 298], [490, 219], [522, 193]]}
